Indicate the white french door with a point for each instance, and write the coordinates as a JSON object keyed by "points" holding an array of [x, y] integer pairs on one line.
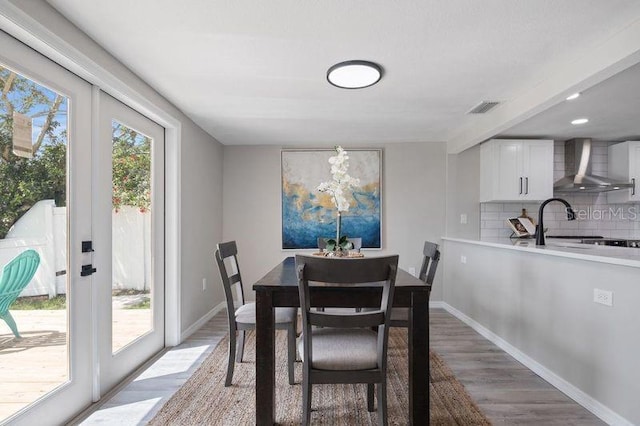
{"points": [[98, 230], [128, 226], [45, 375]]}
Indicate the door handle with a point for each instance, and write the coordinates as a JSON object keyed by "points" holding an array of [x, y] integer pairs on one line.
{"points": [[521, 186], [87, 270], [526, 185], [633, 188]]}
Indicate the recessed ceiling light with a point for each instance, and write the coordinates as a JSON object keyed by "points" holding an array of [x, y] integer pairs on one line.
{"points": [[354, 74], [574, 96], [578, 121]]}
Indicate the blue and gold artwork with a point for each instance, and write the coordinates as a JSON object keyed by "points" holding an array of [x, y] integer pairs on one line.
{"points": [[308, 214]]}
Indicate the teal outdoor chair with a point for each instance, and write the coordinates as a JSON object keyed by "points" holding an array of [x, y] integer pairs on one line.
{"points": [[15, 276]]}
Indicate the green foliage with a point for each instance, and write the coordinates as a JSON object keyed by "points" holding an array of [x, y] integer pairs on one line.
{"points": [[144, 304], [343, 244], [23, 182], [39, 303], [131, 168]]}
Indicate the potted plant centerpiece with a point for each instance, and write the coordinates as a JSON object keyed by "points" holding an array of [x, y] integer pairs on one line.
{"points": [[339, 187]]}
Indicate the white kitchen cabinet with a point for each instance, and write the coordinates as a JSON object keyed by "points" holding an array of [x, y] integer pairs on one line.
{"points": [[516, 170], [624, 165]]}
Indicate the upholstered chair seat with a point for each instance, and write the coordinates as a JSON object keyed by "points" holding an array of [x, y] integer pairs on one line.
{"points": [[246, 314], [342, 349]]}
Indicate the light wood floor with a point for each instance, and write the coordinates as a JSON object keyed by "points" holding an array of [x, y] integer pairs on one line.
{"points": [[506, 391]]}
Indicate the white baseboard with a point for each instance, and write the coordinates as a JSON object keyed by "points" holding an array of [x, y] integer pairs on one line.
{"points": [[596, 407], [202, 321]]}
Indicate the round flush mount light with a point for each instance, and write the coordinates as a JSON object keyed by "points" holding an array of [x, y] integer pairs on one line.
{"points": [[574, 96], [354, 74], [579, 121]]}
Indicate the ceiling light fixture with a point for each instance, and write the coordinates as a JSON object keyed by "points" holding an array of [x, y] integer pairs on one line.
{"points": [[574, 96], [578, 121], [354, 74]]}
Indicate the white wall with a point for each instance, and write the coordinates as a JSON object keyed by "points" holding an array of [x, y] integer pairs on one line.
{"points": [[413, 204], [463, 193], [201, 191], [543, 306]]}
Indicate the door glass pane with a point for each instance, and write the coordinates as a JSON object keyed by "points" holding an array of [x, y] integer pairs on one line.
{"points": [[131, 235], [33, 241]]}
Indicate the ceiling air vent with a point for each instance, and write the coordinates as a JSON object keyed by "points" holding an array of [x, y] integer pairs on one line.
{"points": [[483, 107]]}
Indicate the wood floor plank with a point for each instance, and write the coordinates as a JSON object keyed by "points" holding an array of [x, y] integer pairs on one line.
{"points": [[504, 389]]}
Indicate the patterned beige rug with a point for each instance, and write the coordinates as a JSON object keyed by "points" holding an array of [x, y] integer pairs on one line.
{"points": [[204, 400]]}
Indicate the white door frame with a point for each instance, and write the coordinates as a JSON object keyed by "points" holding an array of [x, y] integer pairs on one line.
{"points": [[30, 22]]}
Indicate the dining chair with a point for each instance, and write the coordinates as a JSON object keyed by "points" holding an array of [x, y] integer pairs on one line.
{"points": [[242, 315], [355, 241], [430, 259], [348, 347]]}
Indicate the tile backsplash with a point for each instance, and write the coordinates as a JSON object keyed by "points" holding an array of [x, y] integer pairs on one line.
{"points": [[595, 216]]}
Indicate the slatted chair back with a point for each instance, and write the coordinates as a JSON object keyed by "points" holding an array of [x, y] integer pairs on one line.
{"points": [[227, 260], [429, 262]]}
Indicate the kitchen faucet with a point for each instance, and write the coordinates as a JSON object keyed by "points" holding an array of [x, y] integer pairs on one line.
{"points": [[571, 215]]}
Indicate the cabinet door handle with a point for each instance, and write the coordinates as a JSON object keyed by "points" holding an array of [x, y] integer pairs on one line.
{"points": [[526, 185], [633, 188], [520, 186]]}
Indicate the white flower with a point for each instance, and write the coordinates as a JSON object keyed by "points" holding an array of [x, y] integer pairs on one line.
{"points": [[341, 180]]}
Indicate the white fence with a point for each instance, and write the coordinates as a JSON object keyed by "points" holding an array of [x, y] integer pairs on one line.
{"points": [[44, 229]]}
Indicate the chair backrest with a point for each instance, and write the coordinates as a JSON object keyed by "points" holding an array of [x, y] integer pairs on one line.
{"points": [[355, 241], [227, 260], [347, 272], [15, 276], [429, 262]]}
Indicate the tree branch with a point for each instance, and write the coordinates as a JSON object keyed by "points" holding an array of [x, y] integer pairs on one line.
{"points": [[5, 90], [47, 122]]}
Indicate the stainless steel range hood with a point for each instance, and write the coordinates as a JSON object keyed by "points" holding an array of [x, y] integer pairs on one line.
{"points": [[577, 162]]}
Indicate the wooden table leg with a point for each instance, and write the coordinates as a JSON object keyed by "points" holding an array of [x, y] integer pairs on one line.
{"points": [[265, 359], [419, 359]]}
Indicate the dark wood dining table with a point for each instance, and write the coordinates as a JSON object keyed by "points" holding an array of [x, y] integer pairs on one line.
{"points": [[279, 287]]}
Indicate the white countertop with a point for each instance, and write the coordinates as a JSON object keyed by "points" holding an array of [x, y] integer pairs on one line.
{"points": [[563, 248]]}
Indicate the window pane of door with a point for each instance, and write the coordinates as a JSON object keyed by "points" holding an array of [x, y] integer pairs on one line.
{"points": [[131, 235], [33, 238]]}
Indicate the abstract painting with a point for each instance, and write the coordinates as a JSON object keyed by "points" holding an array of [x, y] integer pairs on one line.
{"points": [[308, 214]]}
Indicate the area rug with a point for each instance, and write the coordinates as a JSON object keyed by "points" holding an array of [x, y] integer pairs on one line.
{"points": [[203, 400]]}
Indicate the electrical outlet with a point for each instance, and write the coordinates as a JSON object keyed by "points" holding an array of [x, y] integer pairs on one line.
{"points": [[463, 218], [204, 284], [603, 297], [463, 259], [412, 271]]}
